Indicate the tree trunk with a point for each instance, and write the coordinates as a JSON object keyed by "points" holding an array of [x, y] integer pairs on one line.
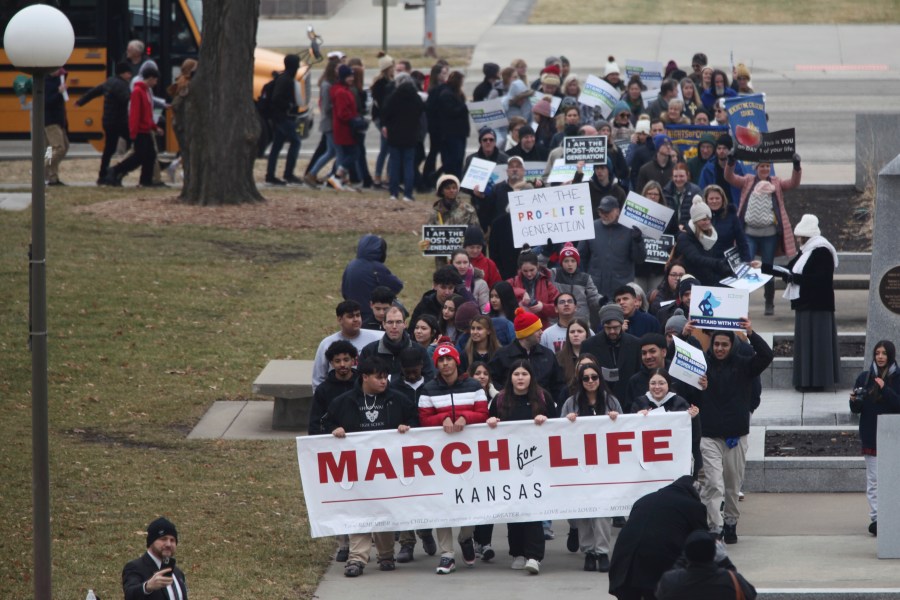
{"points": [[221, 125]]}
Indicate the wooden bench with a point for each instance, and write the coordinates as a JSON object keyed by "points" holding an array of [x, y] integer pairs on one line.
{"points": [[290, 383]]}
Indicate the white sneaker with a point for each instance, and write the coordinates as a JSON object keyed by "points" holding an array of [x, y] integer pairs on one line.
{"points": [[533, 566], [407, 199], [518, 563], [393, 198]]}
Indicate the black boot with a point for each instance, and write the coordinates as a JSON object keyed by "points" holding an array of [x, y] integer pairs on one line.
{"points": [[769, 294]]}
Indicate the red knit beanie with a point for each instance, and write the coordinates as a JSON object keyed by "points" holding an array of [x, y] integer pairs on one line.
{"points": [[526, 323], [569, 251], [446, 349]]}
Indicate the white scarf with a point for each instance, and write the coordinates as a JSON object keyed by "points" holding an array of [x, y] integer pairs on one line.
{"points": [[792, 291], [661, 402], [706, 240]]}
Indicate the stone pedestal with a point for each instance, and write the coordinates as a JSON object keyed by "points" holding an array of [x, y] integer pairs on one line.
{"points": [[877, 142], [888, 486], [884, 298]]}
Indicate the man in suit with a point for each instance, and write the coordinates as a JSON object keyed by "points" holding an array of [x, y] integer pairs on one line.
{"points": [[154, 575]]}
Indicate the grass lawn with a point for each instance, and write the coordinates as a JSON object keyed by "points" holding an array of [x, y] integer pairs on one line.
{"points": [[711, 12], [148, 326], [457, 56]]}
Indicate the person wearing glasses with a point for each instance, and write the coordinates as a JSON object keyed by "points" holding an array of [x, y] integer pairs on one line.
{"points": [[592, 398]]}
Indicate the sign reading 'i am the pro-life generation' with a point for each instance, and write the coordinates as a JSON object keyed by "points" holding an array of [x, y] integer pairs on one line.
{"points": [[560, 214]]}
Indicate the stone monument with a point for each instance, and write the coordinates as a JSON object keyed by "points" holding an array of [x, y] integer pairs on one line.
{"points": [[888, 486], [884, 288]]}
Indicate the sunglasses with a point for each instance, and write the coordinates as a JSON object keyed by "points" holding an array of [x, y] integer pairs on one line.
{"points": [[588, 378]]}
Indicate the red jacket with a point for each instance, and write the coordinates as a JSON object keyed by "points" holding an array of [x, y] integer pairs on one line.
{"points": [[343, 110], [140, 115], [488, 267], [545, 291]]}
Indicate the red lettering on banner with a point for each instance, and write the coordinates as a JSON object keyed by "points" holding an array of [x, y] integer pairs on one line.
{"points": [[614, 445], [447, 458], [556, 457], [486, 455], [590, 449], [345, 468], [380, 464], [417, 456], [652, 444]]}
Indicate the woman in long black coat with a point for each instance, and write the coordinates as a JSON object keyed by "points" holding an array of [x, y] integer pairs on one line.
{"points": [[400, 121]]}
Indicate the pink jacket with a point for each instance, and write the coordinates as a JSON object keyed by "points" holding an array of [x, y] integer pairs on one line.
{"points": [[786, 245]]}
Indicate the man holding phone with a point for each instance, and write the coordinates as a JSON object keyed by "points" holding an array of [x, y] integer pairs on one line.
{"points": [[154, 575]]}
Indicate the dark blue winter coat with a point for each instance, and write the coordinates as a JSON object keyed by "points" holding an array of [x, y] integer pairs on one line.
{"points": [[730, 232], [366, 272]]}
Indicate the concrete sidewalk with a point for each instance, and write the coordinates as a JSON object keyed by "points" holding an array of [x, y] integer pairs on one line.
{"points": [[791, 542]]}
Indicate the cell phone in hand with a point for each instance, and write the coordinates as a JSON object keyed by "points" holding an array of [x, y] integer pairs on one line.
{"points": [[169, 563]]}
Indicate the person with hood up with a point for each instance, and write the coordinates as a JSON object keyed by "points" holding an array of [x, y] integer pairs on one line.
{"points": [[284, 105], [876, 392], [366, 272], [601, 184], [448, 209], [725, 407], [653, 538], [707, 575], [695, 246]]}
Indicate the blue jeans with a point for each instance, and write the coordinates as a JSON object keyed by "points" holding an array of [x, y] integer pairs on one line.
{"points": [[383, 149], [330, 152], [402, 160], [346, 157], [764, 246], [284, 131]]}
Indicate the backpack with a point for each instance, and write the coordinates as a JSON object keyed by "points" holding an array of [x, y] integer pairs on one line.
{"points": [[264, 102]]}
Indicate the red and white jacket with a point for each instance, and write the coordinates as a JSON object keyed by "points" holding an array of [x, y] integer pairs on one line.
{"points": [[465, 398]]}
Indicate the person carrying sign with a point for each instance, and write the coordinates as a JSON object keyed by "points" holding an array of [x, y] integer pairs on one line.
{"points": [[725, 407], [452, 401], [695, 246], [763, 215], [370, 406]]}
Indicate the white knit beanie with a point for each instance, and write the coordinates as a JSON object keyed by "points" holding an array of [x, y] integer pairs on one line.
{"points": [[700, 210], [808, 227]]}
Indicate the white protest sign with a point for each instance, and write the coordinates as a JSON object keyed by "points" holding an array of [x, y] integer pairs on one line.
{"points": [[562, 214], [650, 72], [479, 173], [645, 214], [598, 93], [555, 101], [649, 97], [488, 113], [591, 149], [688, 364], [561, 172], [719, 307], [752, 280], [425, 478]]}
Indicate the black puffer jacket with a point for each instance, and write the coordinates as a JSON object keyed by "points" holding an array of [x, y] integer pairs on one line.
{"points": [[453, 114], [699, 262]]}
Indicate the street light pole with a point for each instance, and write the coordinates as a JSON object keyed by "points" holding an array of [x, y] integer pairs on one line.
{"points": [[40, 422], [38, 40]]}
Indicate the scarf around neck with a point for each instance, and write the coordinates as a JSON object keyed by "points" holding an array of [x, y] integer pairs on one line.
{"points": [[792, 291]]}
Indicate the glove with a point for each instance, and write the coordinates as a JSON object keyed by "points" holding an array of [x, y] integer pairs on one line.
{"points": [[636, 233], [732, 441], [731, 158], [796, 161], [787, 277]]}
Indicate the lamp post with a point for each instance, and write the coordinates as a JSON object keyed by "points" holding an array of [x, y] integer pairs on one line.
{"points": [[38, 40]]}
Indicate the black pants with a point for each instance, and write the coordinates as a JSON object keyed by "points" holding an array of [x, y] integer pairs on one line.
{"points": [[483, 534], [526, 539], [630, 593], [143, 157], [111, 142]]}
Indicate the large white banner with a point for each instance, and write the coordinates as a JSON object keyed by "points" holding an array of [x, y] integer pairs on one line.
{"points": [[719, 307], [650, 217], [561, 213], [518, 472]]}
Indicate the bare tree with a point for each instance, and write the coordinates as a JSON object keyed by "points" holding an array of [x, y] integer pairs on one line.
{"points": [[221, 123]]}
